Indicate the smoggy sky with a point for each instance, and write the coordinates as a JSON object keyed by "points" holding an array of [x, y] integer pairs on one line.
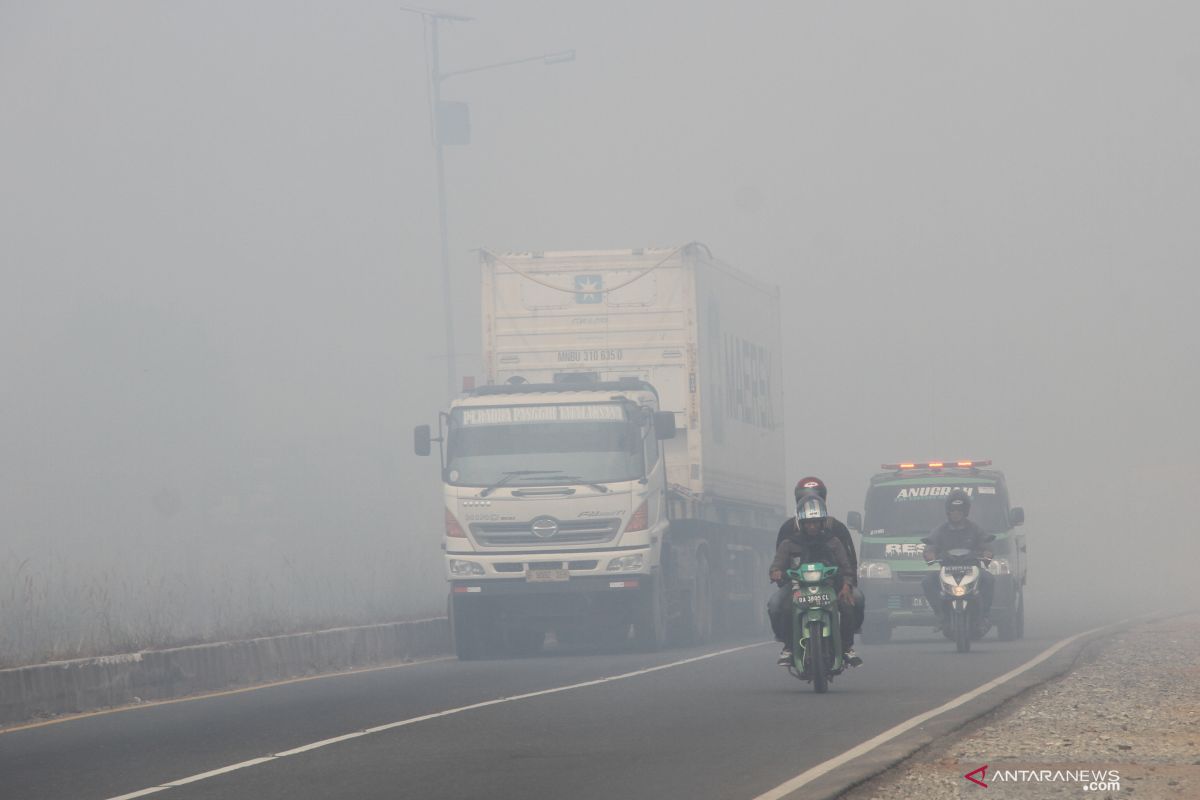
{"points": [[218, 242]]}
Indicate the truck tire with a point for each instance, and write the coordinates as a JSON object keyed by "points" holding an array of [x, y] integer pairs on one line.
{"points": [[697, 622], [466, 630], [650, 616]]}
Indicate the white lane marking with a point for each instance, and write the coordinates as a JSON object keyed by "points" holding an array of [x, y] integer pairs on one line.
{"points": [[810, 775], [219, 693], [413, 720]]}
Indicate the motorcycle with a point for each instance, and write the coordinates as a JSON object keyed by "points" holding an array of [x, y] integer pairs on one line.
{"points": [[960, 610], [816, 625]]}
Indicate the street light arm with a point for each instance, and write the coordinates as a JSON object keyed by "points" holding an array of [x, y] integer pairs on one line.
{"points": [[549, 58]]}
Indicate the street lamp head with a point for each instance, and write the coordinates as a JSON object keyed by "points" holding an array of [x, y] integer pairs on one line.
{"points": [[559, 58]]}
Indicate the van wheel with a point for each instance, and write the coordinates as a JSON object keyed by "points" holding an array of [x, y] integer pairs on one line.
{"points": [[1013, 627]]}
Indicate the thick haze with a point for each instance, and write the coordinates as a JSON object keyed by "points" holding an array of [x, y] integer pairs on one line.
{"points": [[221, 312]]}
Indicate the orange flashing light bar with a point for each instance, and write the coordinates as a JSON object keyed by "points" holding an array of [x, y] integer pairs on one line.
{"points": [[937, 464]]}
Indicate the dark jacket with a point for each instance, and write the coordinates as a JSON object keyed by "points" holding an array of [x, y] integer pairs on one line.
{"points": [[944, 538], [825, 548], [832, 526]]}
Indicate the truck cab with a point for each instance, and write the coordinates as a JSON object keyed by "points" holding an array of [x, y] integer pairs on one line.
{"points": [[903, 505], [555, 508]]}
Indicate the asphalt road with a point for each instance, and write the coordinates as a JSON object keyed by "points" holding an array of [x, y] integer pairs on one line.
{"points": [[729, 725]]}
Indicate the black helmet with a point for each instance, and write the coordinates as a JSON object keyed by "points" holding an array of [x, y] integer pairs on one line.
{"points": [[810, 485], [811, 507], [959, 500]]}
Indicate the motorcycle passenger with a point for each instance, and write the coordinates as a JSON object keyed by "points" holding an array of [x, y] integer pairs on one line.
{"points": [[810, 486], [810, 540], [959, 532]]}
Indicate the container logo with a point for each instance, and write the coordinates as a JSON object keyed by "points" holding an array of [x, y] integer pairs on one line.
{"points": [[589, 289]]}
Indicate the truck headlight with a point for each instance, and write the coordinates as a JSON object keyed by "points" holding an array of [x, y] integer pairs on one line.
{"points": [[999, 566], [874, 569], [465, 568], [626, 563]]}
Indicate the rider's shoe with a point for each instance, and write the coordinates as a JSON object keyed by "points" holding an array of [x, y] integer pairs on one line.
{"points": [[852, 658], [785, 658]]}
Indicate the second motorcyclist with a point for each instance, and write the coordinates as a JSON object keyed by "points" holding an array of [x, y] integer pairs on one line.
{"points": [[959, 532]]}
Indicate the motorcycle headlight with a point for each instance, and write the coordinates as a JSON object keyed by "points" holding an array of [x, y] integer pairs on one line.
{"points": [[460, 568], [970, 577], [874, 569], [626, 563], [958, 591], [811, 576], [999, 566], [949, 579]]}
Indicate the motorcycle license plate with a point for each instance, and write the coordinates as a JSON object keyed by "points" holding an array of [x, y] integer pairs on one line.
{"points": [[547, 575], [920, 602], [813, 599]]}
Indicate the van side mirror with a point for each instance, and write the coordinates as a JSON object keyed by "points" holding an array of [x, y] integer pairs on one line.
{"points": [[664, 424], [854, 521], [1016, 515], [421, 440]]}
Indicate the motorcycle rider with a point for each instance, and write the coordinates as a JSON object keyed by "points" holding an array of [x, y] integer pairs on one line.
{"points": [[810, 540], [813, 485], [959, 532]]}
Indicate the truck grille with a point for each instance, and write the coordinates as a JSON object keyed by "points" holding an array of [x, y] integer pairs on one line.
{"points": [[520, 534]]}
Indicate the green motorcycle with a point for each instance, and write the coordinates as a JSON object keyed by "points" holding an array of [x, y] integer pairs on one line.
{"points": [[816, 625]]}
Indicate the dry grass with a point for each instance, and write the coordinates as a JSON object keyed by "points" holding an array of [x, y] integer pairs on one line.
{"points": [[58, 603]]}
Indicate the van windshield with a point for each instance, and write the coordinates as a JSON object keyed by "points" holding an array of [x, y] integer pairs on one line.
{"points": [[905, 510]]}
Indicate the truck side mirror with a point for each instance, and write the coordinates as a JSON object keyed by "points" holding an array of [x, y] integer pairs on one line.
{"points": [[664, 424], [1016, 515], [854, 521], [421, 440]]}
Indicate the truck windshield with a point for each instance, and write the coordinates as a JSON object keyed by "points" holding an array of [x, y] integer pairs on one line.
{"points": [[539, 445], [902, 510]]}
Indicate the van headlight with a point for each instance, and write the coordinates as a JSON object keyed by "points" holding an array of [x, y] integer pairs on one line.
{"points": [[626, 563], [874, 569], [464, 569]]}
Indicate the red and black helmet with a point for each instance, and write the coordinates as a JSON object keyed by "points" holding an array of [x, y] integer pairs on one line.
{"points": [[811, 485]]}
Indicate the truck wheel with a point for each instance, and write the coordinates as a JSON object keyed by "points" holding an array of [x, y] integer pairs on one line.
{"points": [[697, 622], [466, 631], [877, 632], [650, 616]]}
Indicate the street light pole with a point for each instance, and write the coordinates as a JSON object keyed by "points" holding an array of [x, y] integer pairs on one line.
{"points": [[447, 296], [437, 112]]}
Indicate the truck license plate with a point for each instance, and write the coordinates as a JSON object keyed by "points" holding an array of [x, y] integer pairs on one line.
{"points": [[547, 575]]}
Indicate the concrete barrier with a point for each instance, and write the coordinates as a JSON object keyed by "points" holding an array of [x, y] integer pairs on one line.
{"points": [[86, 684]]}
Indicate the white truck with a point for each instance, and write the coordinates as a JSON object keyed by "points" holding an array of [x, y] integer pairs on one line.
{"points": [[623, 467]]}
